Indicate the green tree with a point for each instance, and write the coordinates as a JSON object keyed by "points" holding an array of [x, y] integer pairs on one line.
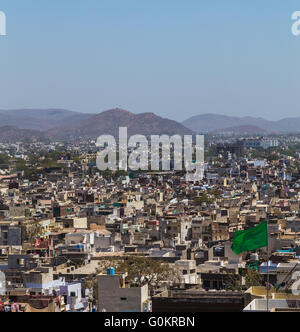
{"points": [[143, 270], [4, 159], [140, 271], [253, 278], [204, 198]]}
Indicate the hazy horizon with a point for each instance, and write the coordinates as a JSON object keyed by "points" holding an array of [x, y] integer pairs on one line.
{"points": [[169, 57], [120, 108]]}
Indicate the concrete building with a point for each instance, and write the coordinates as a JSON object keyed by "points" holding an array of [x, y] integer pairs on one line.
{"points": [[115, 296], [10, 235], [187, 271], [195, 300], [40, 281], [262, 305], [72, 297]]}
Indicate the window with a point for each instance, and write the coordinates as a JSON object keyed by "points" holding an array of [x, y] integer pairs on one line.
{"points": [[224, 213]]}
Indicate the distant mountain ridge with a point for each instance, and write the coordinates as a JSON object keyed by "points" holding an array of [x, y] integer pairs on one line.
{"points": [[64, 124], [206, 123], [40, 119], [109, 122]]}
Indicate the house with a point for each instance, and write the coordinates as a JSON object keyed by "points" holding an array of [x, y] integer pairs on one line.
{"points": [[114, 295]]}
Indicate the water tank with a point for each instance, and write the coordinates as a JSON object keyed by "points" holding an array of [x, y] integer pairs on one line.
{"points": [[110, 271]]}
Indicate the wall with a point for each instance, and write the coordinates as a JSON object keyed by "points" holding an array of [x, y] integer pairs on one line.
{"points": [[113, 298]]}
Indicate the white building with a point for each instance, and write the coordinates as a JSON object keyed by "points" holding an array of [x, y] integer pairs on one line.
{"points": [[187, 271]]}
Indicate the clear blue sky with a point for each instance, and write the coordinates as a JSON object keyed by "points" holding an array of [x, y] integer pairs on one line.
{"points": [[176, 58]]}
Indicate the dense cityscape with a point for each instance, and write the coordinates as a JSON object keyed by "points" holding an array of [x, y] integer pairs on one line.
{"points": [[73, 238], [149, 160]]}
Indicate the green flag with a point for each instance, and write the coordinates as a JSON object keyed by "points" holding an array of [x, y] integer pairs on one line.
{"points": [[252, 239]]}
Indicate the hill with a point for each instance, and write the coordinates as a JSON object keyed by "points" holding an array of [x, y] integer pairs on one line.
{"points": [[40, 119], [10, 134], [206, 123], [108, 123]]}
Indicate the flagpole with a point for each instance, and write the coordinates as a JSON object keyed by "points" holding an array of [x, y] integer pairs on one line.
{"points": [[268, 270], [268, 277]]}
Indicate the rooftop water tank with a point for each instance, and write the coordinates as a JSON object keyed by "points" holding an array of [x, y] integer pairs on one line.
{"points": [[110, 271]]}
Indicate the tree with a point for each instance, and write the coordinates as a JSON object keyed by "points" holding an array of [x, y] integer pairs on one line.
{"points": [[33, 231], [140, 271], [204, 198], [107, 175], [232, 282], [4, 159], [253, 278]]}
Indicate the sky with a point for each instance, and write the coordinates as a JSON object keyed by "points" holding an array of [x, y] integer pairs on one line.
{"points": [[175, 58]]}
